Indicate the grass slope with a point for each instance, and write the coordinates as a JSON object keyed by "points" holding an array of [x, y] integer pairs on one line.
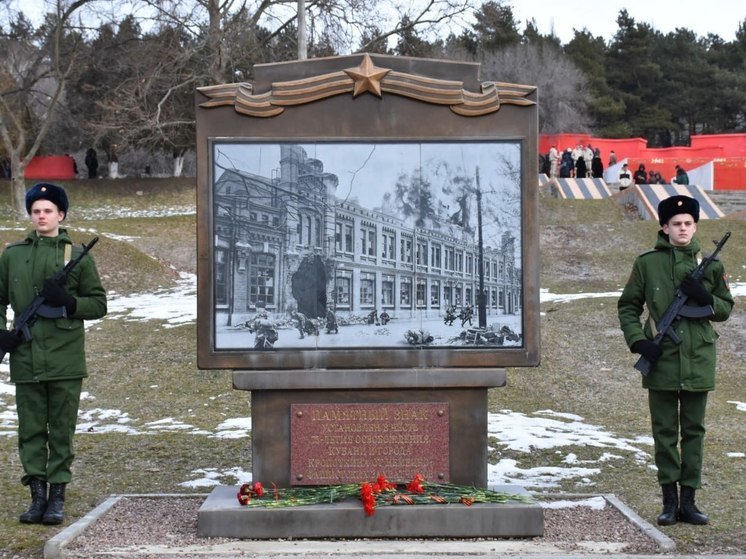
{"points": [[149, 372]]}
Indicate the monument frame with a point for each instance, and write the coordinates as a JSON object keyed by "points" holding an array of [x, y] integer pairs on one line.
{"points": [[394, 407], [369, 100]]}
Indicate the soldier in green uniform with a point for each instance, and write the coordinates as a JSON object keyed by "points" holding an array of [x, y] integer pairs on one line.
{"points": [[681, 375], [48, 370]]}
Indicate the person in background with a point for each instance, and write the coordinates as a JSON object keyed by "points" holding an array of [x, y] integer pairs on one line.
{"points": [[91, 162], [597, 165], [553, 162], [625, 177], [682, 374], [48, 370], [588, 158], [581, 171], [654, 177], [577, 153], [566, 165], [681, 176], [641, 176], [612, 158]]}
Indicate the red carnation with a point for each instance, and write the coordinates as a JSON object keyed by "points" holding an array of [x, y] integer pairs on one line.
{"points": [[369, 500], [415, 486], [382, 484]]}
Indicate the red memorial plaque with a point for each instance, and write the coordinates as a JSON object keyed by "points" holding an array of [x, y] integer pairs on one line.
{"points": [[351, 443]]}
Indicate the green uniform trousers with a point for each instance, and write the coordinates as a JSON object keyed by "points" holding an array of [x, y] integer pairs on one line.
{"points": [[47, 415], [678, 417]]}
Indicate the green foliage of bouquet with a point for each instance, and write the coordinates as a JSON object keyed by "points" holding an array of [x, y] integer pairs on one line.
{"points": [[372, 495]]}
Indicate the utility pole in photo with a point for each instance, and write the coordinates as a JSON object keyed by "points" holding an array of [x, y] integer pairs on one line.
{"points": [[481, 303]]}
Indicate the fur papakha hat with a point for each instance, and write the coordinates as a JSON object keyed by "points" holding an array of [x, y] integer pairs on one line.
{"points": [[676, 205], [47, 191]]}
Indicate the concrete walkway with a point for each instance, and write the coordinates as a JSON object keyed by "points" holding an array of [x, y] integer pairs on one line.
{"points": [[57, 547]]}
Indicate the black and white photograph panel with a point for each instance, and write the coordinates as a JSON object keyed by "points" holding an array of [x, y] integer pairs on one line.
{"points": [[326, 245]]}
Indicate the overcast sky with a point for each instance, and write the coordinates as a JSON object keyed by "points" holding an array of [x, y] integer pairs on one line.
{"points": [[599, 16]]}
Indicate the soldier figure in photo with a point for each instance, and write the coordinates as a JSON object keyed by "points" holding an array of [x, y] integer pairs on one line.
{"points": [[331, 322], [465, 315], [450, 315], [304, 324], [265, 333], [373, 317]]}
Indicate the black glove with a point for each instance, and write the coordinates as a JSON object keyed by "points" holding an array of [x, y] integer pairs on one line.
{"points": [[648, 349], [696, 291], [56, 296], [9, 342]]}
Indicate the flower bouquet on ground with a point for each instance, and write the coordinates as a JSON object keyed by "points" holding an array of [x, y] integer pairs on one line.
{"points": [[372, 495]]}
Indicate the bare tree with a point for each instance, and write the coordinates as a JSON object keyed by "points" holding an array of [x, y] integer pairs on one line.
{"points": [[34, 72], [225, 27], [204, 42], [563, 91], [139, 93], [428, 18]]}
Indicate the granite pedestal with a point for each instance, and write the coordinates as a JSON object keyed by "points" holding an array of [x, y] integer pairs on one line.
{"points": [[222, 516], [463, 393]]}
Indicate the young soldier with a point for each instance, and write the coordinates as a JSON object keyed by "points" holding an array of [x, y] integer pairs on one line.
{"points": [[48, 371], [681, 375]]}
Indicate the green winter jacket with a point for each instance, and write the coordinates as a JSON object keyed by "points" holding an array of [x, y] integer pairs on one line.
{"points": [[655, 277], [57, 348]]}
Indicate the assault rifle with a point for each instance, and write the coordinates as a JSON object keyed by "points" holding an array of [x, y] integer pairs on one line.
{"points": [[679, 308], [38, 307]]}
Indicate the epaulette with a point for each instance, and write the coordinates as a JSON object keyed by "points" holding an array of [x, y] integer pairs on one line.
{"points": [[651, 251], [20, 243]]}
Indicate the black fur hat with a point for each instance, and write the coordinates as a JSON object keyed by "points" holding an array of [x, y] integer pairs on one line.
{"points": [[47, 191], [677, 205]]}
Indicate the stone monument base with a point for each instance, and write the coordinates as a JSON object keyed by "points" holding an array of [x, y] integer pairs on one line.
{"points": [[221, 516]]}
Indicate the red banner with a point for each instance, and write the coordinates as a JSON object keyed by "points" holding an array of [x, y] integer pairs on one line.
{"points": [[726, 151], [51, 167]]}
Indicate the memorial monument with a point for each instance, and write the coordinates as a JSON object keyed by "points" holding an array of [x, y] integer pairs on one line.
{"points": [[367, 267]]}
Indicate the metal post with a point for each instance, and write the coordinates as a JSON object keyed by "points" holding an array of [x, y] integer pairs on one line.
{"points": [[302, 43]]}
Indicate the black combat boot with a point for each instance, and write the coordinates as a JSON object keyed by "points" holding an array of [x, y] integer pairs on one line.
{"points": [[689, 512], [56, 504], [38, 502], [670, 505]]}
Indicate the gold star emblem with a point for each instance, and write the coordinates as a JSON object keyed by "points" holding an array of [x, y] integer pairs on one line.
{"points": [[367, 77]]}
